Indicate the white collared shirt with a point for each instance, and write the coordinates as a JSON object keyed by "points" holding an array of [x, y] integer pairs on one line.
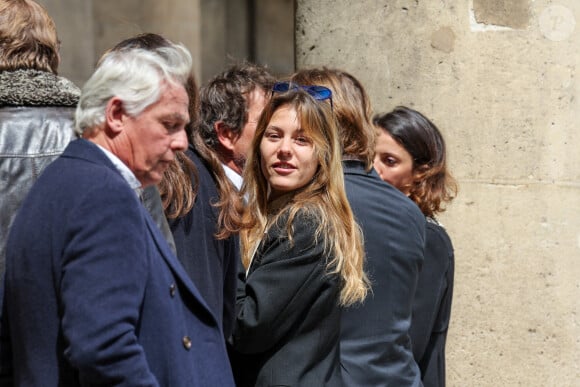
{"points": [[234, 177], [124, 170]]}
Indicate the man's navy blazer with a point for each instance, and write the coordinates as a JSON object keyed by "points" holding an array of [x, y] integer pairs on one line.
{"points": [[93, 294], [211, 263], [375, 348]]}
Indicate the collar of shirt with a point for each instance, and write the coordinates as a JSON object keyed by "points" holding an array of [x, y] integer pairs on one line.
{"points": [[127, 174], [233, 176]]}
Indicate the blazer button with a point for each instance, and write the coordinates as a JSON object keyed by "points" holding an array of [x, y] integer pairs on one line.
{"points": [[186, 342], [172, 289]]}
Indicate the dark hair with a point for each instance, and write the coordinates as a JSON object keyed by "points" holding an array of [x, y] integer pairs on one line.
{"points": [[224, 98], [146, 41], [433, 184]]}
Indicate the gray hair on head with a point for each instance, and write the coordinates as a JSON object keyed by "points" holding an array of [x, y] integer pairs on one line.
{"points": [[134, 75]]}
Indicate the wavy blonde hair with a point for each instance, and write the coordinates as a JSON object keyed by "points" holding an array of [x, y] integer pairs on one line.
{"points": [[28, 37], [352, 109], [324, 197]]}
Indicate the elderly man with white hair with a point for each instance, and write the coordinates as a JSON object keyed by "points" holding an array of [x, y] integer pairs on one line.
{"points": [[93, 294]]}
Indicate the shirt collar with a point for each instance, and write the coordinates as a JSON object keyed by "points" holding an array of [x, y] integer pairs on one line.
{"points": [[234, 177], [127, 174]]}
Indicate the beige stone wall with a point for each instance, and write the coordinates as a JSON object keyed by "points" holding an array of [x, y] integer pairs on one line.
{"points": [[499, 78]]}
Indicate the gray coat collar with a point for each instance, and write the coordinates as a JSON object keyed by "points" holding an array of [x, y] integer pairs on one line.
{"points": [[36, 88]]}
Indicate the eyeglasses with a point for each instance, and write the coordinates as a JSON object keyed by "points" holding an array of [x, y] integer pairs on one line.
{"points": [[319, 93]]}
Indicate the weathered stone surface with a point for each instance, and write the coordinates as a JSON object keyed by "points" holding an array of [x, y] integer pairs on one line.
{"points": [[443, 39], [506, 13], [507, 101]]}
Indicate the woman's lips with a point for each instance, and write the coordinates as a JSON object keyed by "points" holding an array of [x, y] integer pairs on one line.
{"points": [[283, 168]]}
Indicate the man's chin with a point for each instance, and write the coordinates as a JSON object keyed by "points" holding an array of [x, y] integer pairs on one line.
{"points": [[152, 178]]}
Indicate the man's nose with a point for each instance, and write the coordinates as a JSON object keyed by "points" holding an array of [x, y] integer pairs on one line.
{"points": [[179, 142]]}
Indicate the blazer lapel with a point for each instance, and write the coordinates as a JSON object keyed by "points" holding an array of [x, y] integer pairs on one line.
{"points": [[85, 149], [174, 263]]}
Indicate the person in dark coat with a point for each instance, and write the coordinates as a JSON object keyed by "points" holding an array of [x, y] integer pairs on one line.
{"points": [[300, 244], [36, 110], [36, 105], [204, 209], [210, 259], [375, 346], [230, 106], [411, 155], [93, 294]]}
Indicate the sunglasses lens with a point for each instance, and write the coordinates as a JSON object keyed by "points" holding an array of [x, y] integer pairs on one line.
{"points": [[281, 87], [319, 92]]}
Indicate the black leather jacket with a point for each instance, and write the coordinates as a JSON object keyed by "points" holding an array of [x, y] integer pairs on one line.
{"points": [[36, 124]]}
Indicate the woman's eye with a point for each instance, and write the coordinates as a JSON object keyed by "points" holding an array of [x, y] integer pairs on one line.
{"points": [[390, 161], [272, 135], [302, 140]]}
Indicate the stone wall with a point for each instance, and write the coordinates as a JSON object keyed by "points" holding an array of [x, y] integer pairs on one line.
{"points": [[217, 32], [498, 77]]}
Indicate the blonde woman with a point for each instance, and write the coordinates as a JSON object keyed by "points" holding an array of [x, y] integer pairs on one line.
{"points": [[375, 346], [301, 246]]}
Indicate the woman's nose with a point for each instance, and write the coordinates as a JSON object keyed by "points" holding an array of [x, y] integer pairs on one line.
{"points": [[284, 146]]}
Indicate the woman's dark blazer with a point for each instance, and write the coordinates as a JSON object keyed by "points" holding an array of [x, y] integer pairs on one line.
{"points": [[432, 305], [375, 345], [94, 296], [287, 326], [211, 263]]}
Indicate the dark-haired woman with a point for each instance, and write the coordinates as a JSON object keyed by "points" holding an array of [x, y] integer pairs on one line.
{"points": [[410, 154]]}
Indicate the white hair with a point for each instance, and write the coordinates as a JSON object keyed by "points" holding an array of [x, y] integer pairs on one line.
{"points": [[134, 75]]}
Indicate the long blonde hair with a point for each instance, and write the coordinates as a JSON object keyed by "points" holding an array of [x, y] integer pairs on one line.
{"points": [[324, 197], [352, 109]]}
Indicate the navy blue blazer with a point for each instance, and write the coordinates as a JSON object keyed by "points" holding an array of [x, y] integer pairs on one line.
{"points": [[375, 348], [93, 294], [212, 264], [432, 305]]}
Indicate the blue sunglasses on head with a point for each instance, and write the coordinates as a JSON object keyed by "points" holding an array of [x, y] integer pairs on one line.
{"points": [[319, 93]]}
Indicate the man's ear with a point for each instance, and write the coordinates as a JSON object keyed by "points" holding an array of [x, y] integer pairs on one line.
{"points": [[225, 135], [115, 115]]}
